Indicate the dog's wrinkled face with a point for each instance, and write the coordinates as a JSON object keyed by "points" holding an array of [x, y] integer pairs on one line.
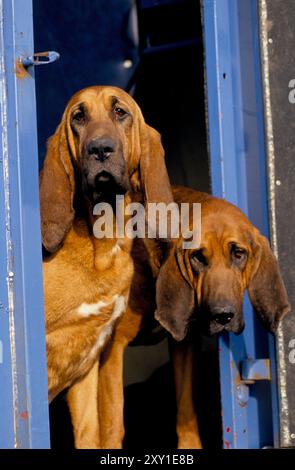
{"points": [[219, 272], [101, 148], [101, 120], [208, 284]]}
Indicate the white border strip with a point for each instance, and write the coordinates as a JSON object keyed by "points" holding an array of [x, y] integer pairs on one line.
{"points": [[282, 373]]}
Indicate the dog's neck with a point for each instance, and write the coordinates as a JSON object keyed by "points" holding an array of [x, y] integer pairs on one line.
{"points": [[107, 247]]}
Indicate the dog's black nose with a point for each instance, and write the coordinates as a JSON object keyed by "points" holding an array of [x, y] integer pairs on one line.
{"points": [[101, 148], [223, 316]]}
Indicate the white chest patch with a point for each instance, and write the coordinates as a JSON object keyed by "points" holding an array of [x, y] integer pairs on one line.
{"points": [[119, 309], [85, 310], [118, 304]]}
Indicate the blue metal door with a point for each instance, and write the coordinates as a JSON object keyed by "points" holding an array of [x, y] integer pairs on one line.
{"points": [[23, 399], [238, 173]]}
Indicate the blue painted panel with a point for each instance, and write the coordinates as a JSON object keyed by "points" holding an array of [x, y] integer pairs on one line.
{"points": [[237, 153], [23, 372], [94, 38]]}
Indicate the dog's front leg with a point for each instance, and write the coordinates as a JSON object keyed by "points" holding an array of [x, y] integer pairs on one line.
{"points": [[83, 406], [110, 385], [111, 397], [186, 419]]}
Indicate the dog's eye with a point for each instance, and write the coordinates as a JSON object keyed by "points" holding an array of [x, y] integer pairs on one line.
{"points": [[79, 116], [238, 254], [120, 112], [198, 259]]}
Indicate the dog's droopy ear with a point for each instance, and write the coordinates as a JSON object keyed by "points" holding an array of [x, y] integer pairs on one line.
{"points": [[266, 288], [174, 296], [155, 179], [57, 186]]}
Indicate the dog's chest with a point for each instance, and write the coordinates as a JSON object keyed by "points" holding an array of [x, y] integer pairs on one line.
{"points": [[110, 311]]}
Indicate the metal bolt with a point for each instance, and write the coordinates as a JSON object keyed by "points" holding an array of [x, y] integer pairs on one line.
{"points": [[242, 394], [278, 182], [292, 435], [270, 40], [127, 64]]}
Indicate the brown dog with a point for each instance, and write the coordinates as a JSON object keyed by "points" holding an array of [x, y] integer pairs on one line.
{"points": [[101, 148], [205, 284], [211, 280]]}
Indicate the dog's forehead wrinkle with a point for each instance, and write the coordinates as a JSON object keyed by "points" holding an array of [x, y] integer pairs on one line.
{"points": [[96, 91], [221, 230], [88, 94], [91, 97], [115, 95]]}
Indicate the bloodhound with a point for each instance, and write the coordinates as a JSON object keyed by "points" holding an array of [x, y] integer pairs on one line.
{"points": [[101, 148], [204, 285]]}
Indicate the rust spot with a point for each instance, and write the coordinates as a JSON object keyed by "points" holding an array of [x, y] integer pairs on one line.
{"points": [[238, 379], [235, 437], [20, 70], [232, 364], [267, 366], [24, 415], [257, 377], [227, 444]]}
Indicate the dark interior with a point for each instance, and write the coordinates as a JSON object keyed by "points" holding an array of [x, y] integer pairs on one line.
{"points": [[163, 43]]}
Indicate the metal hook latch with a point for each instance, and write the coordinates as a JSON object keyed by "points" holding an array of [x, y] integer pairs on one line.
{"points": [[40, 58], [252, 370]]}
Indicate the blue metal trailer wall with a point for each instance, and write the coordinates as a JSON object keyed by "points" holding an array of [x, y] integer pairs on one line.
{"points": [[23, 400], [238, 172]]}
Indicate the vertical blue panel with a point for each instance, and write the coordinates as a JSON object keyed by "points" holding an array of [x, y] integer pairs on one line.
{"points": [[237, 153], [23, 400]]}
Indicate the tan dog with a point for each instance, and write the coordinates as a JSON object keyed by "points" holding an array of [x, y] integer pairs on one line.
{"points": [[101, 148], [206, 284], [233, 257]]}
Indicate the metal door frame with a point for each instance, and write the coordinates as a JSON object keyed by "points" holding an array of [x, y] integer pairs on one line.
{"points": [[23, 401], [238, 173]]}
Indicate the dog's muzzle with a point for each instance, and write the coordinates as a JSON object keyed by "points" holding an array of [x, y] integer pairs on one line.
{"points": [[105, 170], [223, 318]]}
